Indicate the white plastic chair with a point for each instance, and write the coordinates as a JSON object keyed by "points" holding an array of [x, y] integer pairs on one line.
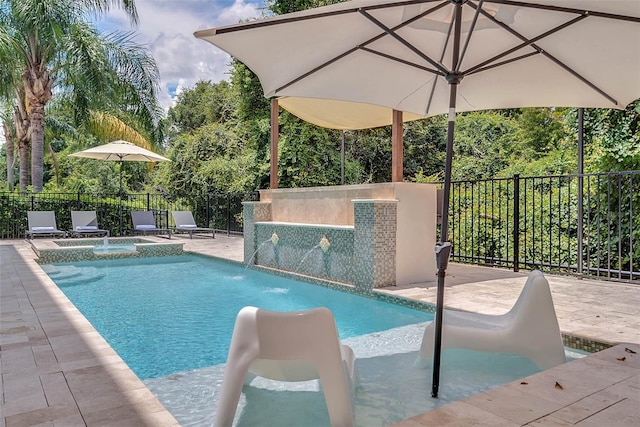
{"points": [[530, 328], [289, 346]]}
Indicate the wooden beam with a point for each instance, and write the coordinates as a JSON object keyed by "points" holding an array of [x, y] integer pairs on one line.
{"points": [[273, 178], [396, 147]]}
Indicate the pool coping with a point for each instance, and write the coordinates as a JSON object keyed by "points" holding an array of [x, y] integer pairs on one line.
{"points": [[57, 368]]}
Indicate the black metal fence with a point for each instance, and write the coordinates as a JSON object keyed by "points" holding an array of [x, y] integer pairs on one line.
{"points": [[222, 212], [585, 225]]}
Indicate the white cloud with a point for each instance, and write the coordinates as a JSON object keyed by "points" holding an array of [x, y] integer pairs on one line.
{"points": [[167, 28]]}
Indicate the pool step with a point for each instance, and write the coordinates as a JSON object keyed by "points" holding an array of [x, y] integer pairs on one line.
{"points": [[68, 275]]}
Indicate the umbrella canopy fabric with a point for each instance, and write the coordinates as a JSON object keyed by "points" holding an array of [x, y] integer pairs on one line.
{"points": [[429, 57], [120, 151], [398, 54], [341, 115]]}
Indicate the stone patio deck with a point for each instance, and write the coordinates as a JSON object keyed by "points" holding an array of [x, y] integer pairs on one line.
{"points": [[58, 371]]}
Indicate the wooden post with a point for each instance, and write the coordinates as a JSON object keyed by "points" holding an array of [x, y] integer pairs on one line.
{"points": [[273, 179], [396, 147]]}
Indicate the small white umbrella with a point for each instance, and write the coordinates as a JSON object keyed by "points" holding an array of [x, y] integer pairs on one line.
{"points": [[121, 151]]}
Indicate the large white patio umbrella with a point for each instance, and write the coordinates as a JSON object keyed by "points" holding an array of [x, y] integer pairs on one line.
{"points": [[121, 151], [429, 57]]}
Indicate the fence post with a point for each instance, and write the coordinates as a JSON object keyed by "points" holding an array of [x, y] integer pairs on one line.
{"points": [[148, 202], [580, 187], [516, 222], [228, 214], [208, 214]]}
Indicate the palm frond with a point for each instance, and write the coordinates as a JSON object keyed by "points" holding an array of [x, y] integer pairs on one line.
{"points": [[108, 127]]}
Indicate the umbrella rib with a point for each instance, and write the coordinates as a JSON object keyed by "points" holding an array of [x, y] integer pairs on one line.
{"points": [[567, 10], [435, 81], [367, 42], [482, 65], [403, 61], [403, 41], [551, 58], [508, 61], [471, 29]]}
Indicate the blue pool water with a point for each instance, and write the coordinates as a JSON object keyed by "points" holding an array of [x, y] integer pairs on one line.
{"points": [[171, 320], [173, 314]]}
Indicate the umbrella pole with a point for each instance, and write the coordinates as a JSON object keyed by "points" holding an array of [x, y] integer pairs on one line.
{"points": [[120, 199], [443, 247]]}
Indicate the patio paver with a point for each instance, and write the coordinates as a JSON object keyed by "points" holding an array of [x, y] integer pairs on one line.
{"points": [[57, 370]]}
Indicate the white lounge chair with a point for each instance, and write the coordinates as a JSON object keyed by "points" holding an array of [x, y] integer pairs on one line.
{"points": [[184, 222], [85, 223], [530, 328], [144, 223], [42, 223], [293, 346]]}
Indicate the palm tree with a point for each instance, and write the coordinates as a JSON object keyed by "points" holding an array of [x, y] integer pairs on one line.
{"points": [[58, 49]]}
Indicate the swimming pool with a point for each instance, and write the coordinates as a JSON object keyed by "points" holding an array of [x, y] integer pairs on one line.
{"points": [[165, 317], [173, 314]]}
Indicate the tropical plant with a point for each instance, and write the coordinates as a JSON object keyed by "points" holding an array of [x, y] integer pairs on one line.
{"points": [[56, 48]]}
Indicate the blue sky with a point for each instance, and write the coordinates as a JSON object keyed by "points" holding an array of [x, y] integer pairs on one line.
{"points": [[167, 27]]}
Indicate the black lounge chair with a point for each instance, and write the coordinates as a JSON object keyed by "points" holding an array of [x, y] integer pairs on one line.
{"points": [[185, 223], [85, 223], [43, 224], [144, 223]]}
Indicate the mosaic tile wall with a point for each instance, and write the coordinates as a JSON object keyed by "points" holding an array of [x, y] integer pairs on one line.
{"points": [[363, 239], [298, 249], [384, 243], [253, 212], [363, 255], [375, 239], [584, 344]]}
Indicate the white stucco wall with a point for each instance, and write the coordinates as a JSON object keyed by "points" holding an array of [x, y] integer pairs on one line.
{"points": [[416, 233]]}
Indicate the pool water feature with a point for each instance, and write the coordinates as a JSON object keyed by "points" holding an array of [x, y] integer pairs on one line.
{"points": [[102, 249], [171, 320]]}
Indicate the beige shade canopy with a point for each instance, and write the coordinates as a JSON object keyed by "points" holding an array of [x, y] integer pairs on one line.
{"points": [[120, 151], [342, 115]]}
